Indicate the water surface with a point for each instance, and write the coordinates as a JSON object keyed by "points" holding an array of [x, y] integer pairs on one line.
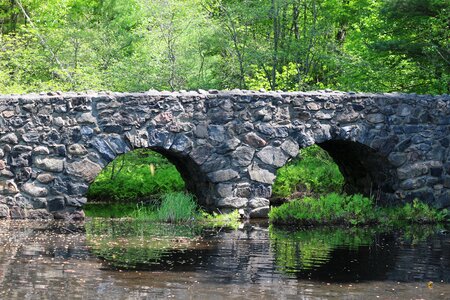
{"points": [[120, 260]]}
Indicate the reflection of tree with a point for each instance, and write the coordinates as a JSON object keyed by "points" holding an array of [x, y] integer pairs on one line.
{"points": [[308, 249], [346, 254]]}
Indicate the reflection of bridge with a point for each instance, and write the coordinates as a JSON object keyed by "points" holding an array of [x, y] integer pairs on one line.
{"points": [[226, 145]]}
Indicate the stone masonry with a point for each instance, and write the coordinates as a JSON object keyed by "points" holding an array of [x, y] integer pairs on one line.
{"points": [[227, 145]]}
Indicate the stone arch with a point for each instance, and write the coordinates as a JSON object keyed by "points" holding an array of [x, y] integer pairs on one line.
{"points": [[365, 165], [177, 148]]}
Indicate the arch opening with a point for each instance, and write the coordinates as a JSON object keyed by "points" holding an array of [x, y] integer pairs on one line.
{"points": [[310, 174], [365, 170], [335, 166], [145, 174]]}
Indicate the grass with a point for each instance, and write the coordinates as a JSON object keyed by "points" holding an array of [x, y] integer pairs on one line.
{"points": [[176, 207], [337, 209]]}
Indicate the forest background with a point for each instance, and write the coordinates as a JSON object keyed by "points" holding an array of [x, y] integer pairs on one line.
{"points": [[137, 45]]}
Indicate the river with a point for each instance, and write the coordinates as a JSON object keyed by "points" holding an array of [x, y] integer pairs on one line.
{"points": [[104, 259]]}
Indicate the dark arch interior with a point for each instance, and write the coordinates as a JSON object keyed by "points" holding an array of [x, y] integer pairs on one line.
{"points": [[365, 171], [196, 182]]}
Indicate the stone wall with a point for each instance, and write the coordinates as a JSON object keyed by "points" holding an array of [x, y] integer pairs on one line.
{"points": [[226, 145]]}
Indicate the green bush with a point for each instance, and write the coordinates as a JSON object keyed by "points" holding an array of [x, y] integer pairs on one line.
{"points": [[351, 210], [129, 178], [313, 172]]}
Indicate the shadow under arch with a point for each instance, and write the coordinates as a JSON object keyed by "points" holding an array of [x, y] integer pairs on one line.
{"points": [[365, 170]]}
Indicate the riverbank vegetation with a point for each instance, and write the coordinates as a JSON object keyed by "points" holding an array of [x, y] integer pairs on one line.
{"points": [[174, 208], [353, 210]]}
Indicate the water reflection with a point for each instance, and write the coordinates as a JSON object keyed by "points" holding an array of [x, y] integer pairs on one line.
{"points": [[54, 260]]}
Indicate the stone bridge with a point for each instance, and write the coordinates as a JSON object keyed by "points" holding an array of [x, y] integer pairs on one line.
{"points": [[226, 145]]}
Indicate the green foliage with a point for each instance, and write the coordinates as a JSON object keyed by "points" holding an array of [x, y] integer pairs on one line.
{"points": [[415, 212], [136, 45], [328, 209], [313, 172], [129, 178], [352, 210]]}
